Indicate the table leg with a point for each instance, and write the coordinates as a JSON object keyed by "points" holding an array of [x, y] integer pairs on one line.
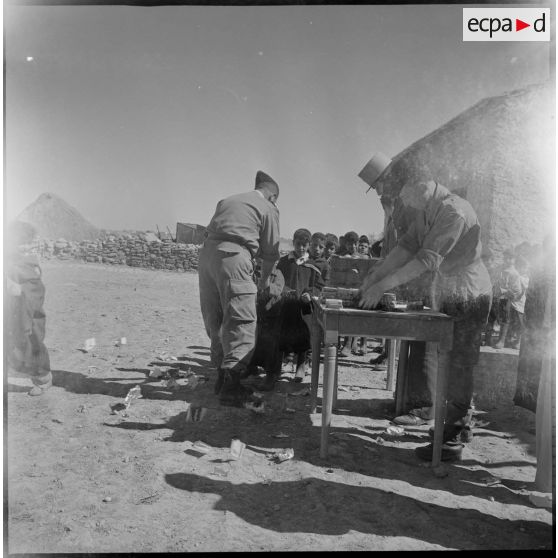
{"points": [[391, 347], [335, 382], [400, 389], [440, 406], [316, 346], [330, 357]]}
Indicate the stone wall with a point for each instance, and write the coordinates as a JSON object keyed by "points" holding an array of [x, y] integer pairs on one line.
{"points": [[136, 250]]}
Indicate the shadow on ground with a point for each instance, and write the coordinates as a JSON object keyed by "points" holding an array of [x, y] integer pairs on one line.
{"points": [[321, 502]]}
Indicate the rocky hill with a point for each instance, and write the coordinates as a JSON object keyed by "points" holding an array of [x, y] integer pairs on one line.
{"points": [[53, 218]]}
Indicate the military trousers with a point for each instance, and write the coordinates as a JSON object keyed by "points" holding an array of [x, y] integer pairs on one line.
{"points": [[228, 304]]}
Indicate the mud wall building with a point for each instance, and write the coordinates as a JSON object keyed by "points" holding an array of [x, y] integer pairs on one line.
{"points": [[500, 156]]}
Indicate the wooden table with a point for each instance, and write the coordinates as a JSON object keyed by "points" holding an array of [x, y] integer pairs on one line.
{"points": [[425, 325]]}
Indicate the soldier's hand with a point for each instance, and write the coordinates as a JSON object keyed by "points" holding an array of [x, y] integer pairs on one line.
{"points": [[370, 296], [305, 297]]}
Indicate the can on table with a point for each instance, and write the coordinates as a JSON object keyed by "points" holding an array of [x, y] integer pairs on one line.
{"points": [[388, 300]]}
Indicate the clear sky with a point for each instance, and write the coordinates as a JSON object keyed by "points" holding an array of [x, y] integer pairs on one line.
{"points": [[144, 116]]}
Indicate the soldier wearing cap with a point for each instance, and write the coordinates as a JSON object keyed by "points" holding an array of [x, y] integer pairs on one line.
{"points": [[243, 227], [443, 238]]}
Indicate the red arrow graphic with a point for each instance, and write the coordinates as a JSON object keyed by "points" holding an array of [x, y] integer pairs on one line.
{"points": [[519, 25]]}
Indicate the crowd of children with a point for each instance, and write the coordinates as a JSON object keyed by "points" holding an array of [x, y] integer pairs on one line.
{"points": [[302, 273]]}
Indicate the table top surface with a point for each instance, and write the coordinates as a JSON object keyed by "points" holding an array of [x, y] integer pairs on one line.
{"points": [[360, 312]]}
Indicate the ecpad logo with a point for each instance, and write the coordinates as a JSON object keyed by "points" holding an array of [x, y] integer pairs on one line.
{"points": [[506, 24]]}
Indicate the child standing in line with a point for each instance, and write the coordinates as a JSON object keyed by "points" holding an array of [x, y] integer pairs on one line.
{"points": [[331, 246], [351, 245], [364, 247], [341, 249], [507, 289], [517, 318], [303, 280], [25, 318], [317, 254]]}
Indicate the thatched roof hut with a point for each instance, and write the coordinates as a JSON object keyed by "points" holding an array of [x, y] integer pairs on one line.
{"points": [[53, 218], [500, 156]]}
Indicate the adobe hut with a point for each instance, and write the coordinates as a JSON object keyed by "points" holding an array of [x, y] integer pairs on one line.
{"points": [[500, 156]]}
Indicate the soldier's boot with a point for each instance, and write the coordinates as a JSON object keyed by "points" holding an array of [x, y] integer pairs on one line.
{"points": [[232, 392]]}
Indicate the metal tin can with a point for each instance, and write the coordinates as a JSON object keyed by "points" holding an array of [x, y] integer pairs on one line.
{"points": [[388, 300]]}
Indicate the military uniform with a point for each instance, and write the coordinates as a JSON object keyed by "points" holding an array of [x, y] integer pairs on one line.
{"points": [[445, 237], [244, 226]]}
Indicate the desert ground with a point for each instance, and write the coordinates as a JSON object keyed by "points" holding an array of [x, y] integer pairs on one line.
{"points": [[85, 475]]}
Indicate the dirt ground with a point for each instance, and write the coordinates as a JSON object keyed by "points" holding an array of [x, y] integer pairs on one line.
{"points": [[83, 479]]}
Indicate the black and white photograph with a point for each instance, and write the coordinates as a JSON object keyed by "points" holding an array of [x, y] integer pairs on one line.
{"points": [[279, 276]]}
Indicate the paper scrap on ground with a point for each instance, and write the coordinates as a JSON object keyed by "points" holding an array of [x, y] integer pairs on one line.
{"points": [[89, 344], [157, 372], [395, 430], [237, 447], [284, 455], [134, 393], [200, 446]]}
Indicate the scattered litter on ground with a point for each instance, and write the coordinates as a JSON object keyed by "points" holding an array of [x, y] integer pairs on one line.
{"points": [[121, 341], [107, 499], [152, 498], [81, 409], [379, 440], [122, 408], [283, 455], [290, 410], [134, 393], [395, 430], [237, 447], [201, 447], [157, 372], [280, 435], [220, 472], [342, 388], [89, 344], [490, 480], [91, 368], [195, 414], [58, 421], [354, 388]]}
